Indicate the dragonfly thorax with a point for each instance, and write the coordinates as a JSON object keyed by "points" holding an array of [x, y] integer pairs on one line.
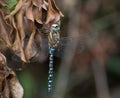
{"points": [[54, 35]]}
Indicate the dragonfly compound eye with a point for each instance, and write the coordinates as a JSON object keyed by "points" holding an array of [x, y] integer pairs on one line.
{"points": [[55, 27]]}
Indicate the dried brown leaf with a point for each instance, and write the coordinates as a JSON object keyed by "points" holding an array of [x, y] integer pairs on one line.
{"points": [[37, 14], [29, 13], [38, 3], [2, 60], [5, 92], [9, 84], [5, 30], [28, 27], [20, 26], [17, 45], [29, 51], [54, 13], [45, 5], [14, 85]]}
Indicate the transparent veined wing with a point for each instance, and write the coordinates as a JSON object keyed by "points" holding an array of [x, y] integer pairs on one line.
{"points": [[69, 42], [84, 42]]}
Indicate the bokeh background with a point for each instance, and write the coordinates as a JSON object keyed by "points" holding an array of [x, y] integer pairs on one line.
{"points": [[89, 67]]}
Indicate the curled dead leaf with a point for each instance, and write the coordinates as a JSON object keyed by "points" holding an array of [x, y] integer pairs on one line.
{"points": [[29, 12], [45, 5], [9, 84], [20, 26], [2, 60], [38, 3], [17, 48], [14, 85], [54, 13], [37, 15], [16, 41], [5, 30], [29, 53]]}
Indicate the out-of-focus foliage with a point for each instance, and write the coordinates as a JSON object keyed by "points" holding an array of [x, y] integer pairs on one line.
{"points": [[28, 84], [114, 65], [11, 3]]}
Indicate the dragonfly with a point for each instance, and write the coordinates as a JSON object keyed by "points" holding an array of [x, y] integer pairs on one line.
{"points": [[56, 46]]}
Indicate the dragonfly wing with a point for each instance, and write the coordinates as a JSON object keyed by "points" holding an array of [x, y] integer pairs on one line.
{"points": [[68, 42]]}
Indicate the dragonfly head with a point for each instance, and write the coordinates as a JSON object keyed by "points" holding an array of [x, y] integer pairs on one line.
{"points": [[55, 28]]}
